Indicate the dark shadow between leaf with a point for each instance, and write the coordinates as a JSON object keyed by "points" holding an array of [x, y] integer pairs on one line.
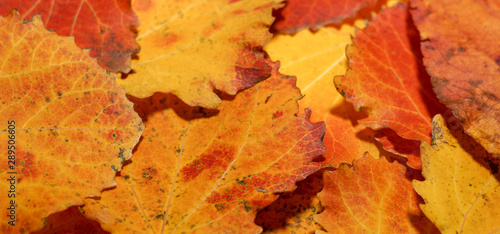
{"points": [[72, 221], [281, 213]]}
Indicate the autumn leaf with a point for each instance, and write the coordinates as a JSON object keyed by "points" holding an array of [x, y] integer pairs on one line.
{"points": [[302, 14], [66, 122], [315, 58], [212, 170], [386, 79], [372, 196], [101, 26], [461, 195], [461, 53], [189, 48]]}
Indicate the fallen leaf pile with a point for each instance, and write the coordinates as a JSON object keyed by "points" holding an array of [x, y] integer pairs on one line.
{"points": [[249, 116]]}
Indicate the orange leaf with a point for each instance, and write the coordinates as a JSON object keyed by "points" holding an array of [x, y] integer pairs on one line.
{"points": [[190, 47], [463, 58], [73, 126], [101, 26], [371, 196], [212, 170], [386, 78], [300, 14]]}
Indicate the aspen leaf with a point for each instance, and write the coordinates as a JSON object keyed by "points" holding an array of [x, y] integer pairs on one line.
{"points": [[462, 55], [101, 26], [207, 171], [386, 79], [372, 196], [303, 14], [461, 195], [73, 126], [191, 47]]}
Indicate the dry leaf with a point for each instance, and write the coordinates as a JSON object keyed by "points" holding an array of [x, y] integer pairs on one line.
{"points": [[101, 26], [372, 196], [462, 55], [191, 47], [385, 79], [300, 14], [212, 170], [461, 195], [73, 126]]}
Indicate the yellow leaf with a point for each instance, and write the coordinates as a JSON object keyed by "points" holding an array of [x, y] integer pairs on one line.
{"points": [[461, 195], [190, 47], [315, 58]]}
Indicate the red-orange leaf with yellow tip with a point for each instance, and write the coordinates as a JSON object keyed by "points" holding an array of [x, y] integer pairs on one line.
{"points": [[211, 170], [104, 27], [191, 48], [299, 14], [386, 79], [462, 55], [372, 196], [74, 126]]}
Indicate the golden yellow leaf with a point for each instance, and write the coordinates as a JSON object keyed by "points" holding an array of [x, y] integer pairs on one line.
{"points": [[315, 58], [190, 47], [461, 195]]}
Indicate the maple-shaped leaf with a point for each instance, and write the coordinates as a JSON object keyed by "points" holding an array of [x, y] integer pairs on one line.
{"points": [[462, 55], [293, 211], [71, 221], [461, 195], [372, 196], [104, 27], [190, 47], [63, 119], [386, 78], [212, 170], [315, 58], [300, 14]]}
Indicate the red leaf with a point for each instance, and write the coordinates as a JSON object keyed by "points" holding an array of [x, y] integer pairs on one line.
{"points": [[101, 26], [299, 14], [386, 78]]}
